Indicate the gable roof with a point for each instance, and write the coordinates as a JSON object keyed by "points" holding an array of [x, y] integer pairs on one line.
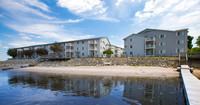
{"points": [[134, 34], [64, 42], [149, 29]]}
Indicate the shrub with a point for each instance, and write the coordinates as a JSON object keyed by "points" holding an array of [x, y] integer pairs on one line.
{"points": [[41, 51], [28, 53], [12, 52]]}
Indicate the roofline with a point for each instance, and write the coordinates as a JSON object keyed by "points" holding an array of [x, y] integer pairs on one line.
{"points": [[64, 42], [134, 34], [163, 30], [116, 46]]}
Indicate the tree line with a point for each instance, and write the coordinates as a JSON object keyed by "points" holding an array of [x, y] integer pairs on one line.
{"points": [[56, 48], [190, 45]]}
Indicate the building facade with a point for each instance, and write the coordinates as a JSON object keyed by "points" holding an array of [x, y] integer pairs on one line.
{"points": [[76, 49], [154, 42]]}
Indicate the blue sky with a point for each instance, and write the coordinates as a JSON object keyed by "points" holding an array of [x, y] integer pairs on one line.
{"points": [[31, 22]]}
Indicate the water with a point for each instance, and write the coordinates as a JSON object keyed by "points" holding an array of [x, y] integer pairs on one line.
{"points": [[23, 88]]}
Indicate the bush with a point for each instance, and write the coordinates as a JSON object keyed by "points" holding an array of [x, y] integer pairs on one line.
{"points": [[29, 53], [41, 51], [12, 52]]}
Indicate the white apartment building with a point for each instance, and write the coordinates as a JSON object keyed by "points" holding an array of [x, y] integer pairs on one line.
{"points": [[77, 49], [154, 42]]}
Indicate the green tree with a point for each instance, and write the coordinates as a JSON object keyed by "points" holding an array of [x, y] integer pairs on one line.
{"points": [[196, 49], [28, 53], [41, 51], [190, 38], [57, 48], [108, 52], [198, 41], [12, 52], [20, 54]]}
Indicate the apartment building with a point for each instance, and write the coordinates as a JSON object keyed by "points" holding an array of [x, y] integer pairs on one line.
{"points": [[77, 49], [155, 42]]}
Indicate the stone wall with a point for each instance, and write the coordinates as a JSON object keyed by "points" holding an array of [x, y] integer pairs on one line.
{"points": [[14, 62], [135, 61]]}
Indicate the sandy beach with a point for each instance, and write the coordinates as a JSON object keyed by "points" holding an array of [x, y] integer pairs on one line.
{"points": [[123, 71]]}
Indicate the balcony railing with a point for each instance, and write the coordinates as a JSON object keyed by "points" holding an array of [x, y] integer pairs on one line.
{"points": [[93, 48], [150, 46], [149, 54], [150, 39], [68, 44], [92, 42], [69, 50]]}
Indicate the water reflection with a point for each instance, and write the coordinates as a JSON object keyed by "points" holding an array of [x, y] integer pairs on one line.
{"points": [[144, 91]]}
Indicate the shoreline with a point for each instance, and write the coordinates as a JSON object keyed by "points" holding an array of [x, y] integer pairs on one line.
{"points": [[121, 71]]}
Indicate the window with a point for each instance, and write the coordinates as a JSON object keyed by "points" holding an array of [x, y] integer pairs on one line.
{"points": [[179, 42], [179, 33], [178, 50], [77, 48], [162, 44], [82, 54], [130, 39], [131, 53], [82, 42], [131, 46], [125, 46], [162, 51], [162, 36], [77, 42], [82, 48]]}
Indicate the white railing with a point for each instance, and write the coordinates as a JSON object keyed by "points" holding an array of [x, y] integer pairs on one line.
{"points": [[92, 42], [150, 46], [93, 48], [68, 50], [150, 39], [68, 44]]}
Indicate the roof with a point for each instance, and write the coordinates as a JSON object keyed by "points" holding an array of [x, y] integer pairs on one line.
{"points": [[65, 42], [116, 46], [149, 29], [134, 34]]}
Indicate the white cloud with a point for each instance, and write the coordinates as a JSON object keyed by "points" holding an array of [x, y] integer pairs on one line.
{"points": [[171, 14], [15, 7], [22, 34], [26, 37], [121, 1], [1, 15], [36, 3], [90, 9], [24, 43], [6, 47]]}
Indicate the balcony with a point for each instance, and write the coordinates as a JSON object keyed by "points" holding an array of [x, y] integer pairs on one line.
{"points": [[148, 39], [69, 50], [150, 46], [149, 53], [93, 48], [68, 44], [92, 42]]}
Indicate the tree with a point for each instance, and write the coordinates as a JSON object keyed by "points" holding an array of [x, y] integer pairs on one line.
{"points": [[41, 51], [108, 52], [57, 48], [28, 53], [20, 54], [190, 38], [198, 41], [196, 49], [12, 52]]}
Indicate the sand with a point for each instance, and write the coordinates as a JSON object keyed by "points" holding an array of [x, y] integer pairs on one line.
{"points": [[124, 71]]}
